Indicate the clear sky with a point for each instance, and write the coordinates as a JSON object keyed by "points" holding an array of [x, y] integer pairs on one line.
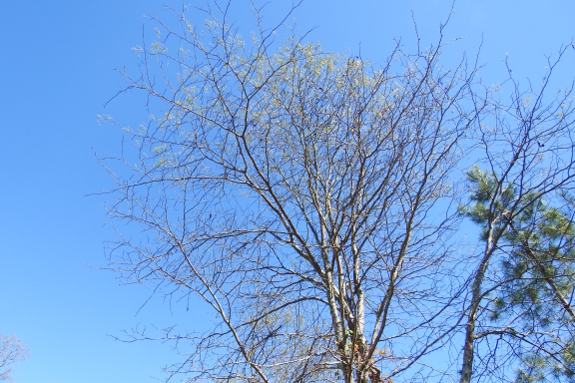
{"points": [[56, 73]]}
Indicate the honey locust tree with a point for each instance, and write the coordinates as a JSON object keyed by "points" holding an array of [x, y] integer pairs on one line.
{"points": [[306, 197], [520, 312]]}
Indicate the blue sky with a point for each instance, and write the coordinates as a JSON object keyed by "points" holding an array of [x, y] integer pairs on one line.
{"points": [[56, 73]]}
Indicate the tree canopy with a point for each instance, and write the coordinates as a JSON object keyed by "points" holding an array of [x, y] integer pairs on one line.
{"points": [[313, 201], [12, 350]]}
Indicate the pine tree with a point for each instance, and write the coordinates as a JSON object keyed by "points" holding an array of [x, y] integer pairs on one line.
{"points": [[536, 249]]}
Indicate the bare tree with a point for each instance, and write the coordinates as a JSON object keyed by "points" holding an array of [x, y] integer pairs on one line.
{"points": [[306, 197], [520, 307], [12, 350]]}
